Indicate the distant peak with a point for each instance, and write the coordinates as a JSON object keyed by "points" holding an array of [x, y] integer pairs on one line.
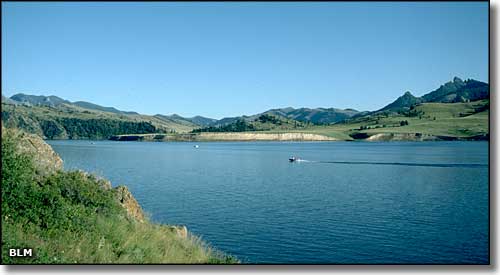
{"points": [[457, 80], [407, 93]]}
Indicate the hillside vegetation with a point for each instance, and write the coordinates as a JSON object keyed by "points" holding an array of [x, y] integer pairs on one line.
{"points": [[456, 110], [452, 120], [427, 121], [74, 217], [453, 91], [72, 122], [435, 120], [263, 122]]}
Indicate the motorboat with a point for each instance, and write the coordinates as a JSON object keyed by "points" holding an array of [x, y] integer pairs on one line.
{"points": [[293, 159]]}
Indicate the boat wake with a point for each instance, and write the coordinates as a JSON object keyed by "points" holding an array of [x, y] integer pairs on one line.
{"points": [[304, 160], [442, 165]]}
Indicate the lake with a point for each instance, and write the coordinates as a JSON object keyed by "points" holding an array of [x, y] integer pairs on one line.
{"points": [[347, 202]]}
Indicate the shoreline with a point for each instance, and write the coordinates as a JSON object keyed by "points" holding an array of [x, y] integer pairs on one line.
{"points": [[297, 137], [123, 212]]}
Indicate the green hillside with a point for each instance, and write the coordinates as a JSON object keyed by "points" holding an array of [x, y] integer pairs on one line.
{"points": [[74, 217], [67, 121], [446, 120], [453, 91], [461, 120], [401, 103], [302, 115], [264, 122]]}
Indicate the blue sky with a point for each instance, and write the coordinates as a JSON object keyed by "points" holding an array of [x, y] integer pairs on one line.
{"points": [[227, 59]]}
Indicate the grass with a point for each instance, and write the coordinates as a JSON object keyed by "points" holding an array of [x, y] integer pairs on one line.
{"points": [[440, 119], [461, 120], [108, 241], [72, 217]]}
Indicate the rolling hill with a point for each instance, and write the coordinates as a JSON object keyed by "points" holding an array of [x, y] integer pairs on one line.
{"points": [[202, 121], [54, 118], [305, 115], [54, 101], [264, 122]]}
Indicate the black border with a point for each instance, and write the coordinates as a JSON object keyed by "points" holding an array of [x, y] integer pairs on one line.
{"points": [[305, 266]]}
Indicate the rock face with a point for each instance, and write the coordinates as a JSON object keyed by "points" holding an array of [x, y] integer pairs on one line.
{"points": [[128, 202], [226, 136], [264, 136], [400, 137], [46, 161], [419, 137]]}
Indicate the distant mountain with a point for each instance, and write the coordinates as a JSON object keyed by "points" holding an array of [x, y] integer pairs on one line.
{"points": [[263, 122], [315, 116], [453, 91], [54, 101], [202, 121], [92, 106], [50, 117], [176, 119], [405, 101], [459, 91], [39, 100], [229, 120], [9, 101], [456, 90]]}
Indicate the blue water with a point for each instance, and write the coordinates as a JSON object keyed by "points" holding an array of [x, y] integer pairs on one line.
{"points": [[348, 202]]}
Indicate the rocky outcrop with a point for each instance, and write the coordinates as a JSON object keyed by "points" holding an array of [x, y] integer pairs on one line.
{"points": [[226, 136], [130, 204], [242, 136], [135, 211], [419, 137], [45, 160], [399, 137]]}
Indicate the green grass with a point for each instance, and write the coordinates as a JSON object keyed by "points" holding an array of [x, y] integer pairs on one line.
{"points": [[108, 241], [440, 119], [72, 217]]}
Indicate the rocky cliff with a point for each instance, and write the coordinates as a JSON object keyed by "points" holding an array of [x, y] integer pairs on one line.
{"points": [[226, 136], [128, 202], [264, 136], [419, 137]]}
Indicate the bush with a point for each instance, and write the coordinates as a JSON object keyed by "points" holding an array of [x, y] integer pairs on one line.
{"points": [[63, 200], [72, 217], [18, 186]]}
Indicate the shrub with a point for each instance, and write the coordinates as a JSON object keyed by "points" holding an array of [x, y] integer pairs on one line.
{"points": [[72, 217]]}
